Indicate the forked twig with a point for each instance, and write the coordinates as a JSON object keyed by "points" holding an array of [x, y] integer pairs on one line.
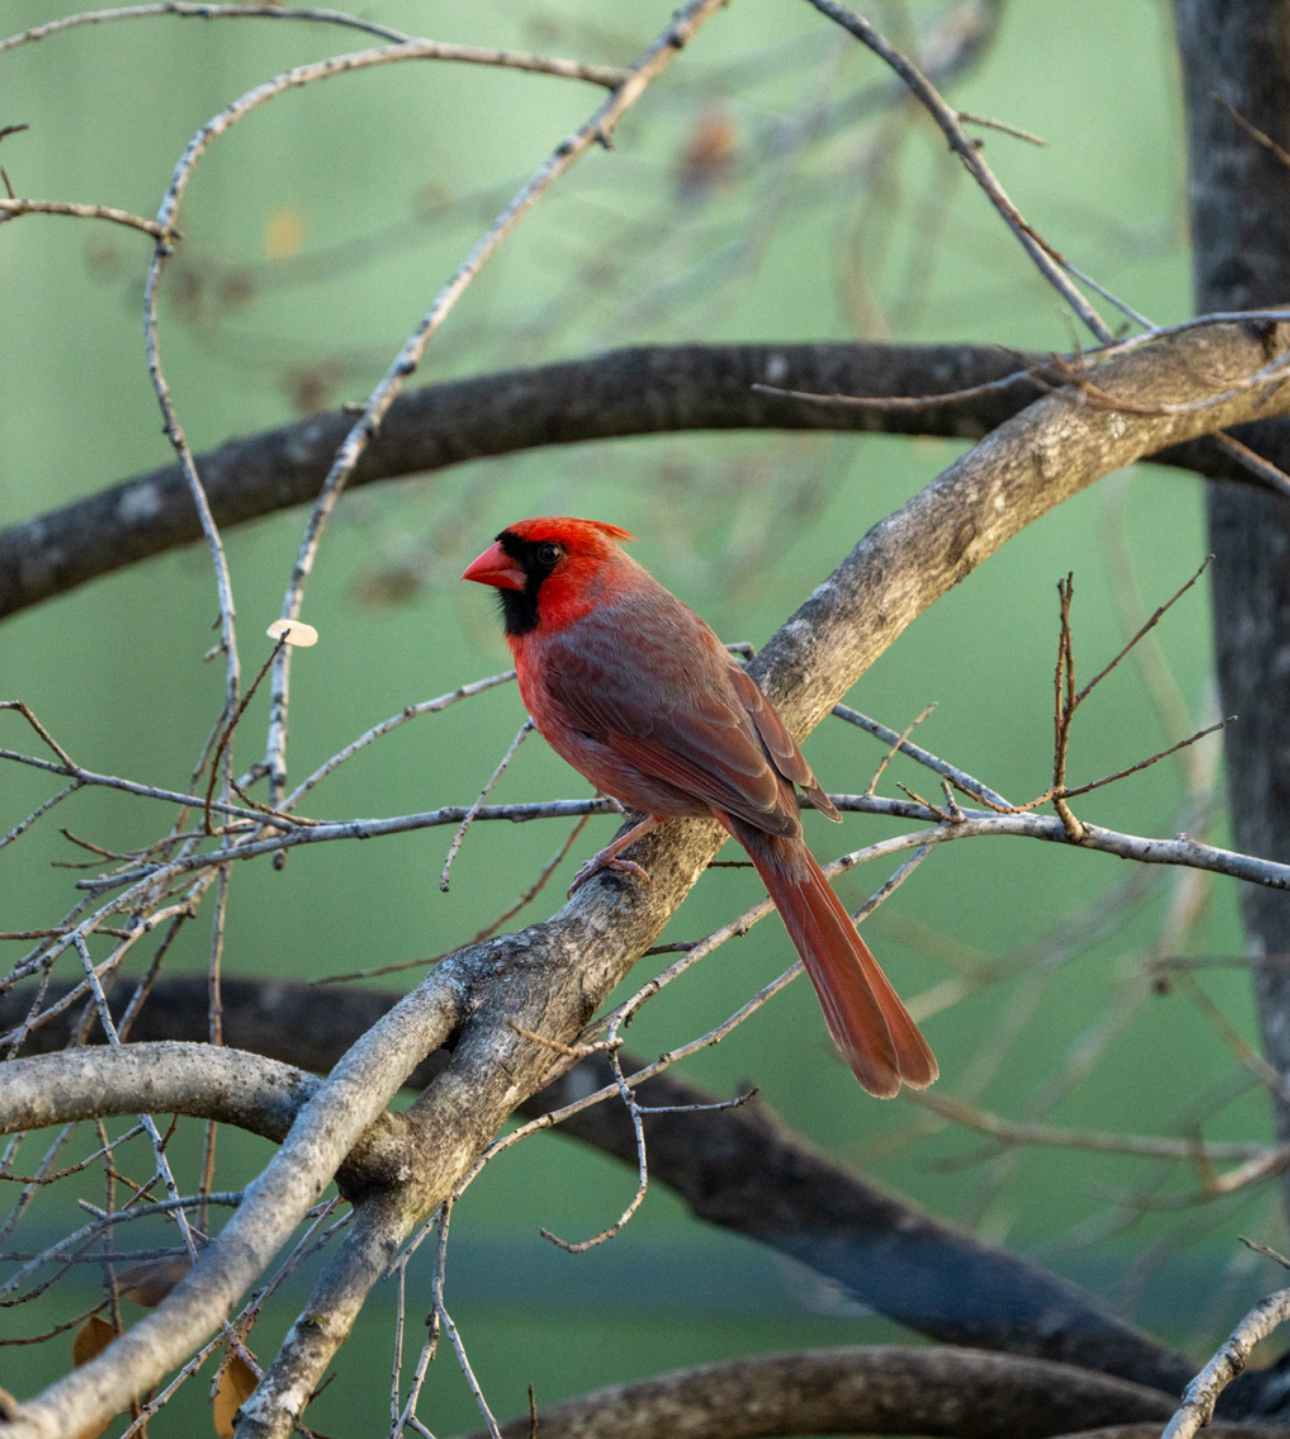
{"points": [[13, 206], [897, 746], [1064, 706], [1067, 700]]}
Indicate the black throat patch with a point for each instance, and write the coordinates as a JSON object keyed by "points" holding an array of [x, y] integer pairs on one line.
{"points": [[520, 607]]}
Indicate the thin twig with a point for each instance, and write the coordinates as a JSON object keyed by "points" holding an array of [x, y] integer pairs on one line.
{"points": [[1065, 703], [1253, 131], [203, 11], [607, 76], [409, 712], [1145, 628], [1033, 373], [446, 1320], [642, 1163], [460, 835], [1047, 260], [968, 785], [1146, 1146], [897, 746], [226, 734], [491, 928], [968, 118], [1071, 791], [12, 207]]}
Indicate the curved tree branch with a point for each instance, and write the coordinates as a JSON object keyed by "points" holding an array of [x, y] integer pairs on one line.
{"points": [[659, 390], [253, 1091], [886, 1389], [739, 1169]]}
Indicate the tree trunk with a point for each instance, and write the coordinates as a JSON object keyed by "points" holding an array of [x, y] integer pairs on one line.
{"points": [[1236, 58]]}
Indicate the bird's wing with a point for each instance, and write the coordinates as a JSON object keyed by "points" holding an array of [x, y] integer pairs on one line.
{"points": [[780, 745], [689, 724]]}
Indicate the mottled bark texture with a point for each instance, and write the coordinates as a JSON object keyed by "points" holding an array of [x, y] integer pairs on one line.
{"points": [[885, 1389], [1236, 58]]}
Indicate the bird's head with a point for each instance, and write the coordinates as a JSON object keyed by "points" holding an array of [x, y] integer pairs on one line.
{"points": [[547, 571]]}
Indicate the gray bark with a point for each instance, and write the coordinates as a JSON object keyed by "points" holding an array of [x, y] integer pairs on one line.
{"points": [[739, 1169]]}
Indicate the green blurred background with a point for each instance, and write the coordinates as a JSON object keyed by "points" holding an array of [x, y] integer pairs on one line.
{"points": [[314, 237]]}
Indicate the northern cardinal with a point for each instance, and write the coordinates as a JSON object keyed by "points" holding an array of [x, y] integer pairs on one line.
{"points": [[638, 694]]}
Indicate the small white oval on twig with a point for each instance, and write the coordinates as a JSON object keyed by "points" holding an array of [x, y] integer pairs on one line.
{"points": [[294, 632]]}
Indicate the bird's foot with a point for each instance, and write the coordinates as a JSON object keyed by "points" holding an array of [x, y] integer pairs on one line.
{"points": [[602, 861], [607, 858]]}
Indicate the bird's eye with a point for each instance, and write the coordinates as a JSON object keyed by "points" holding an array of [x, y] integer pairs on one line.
{"points": [[549, 554]]}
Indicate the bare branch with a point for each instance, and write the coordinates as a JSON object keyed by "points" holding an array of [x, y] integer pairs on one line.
{"points": [[13, 206], [1202, 1393], [409, 48], [1048, 261], [975, 824], [880, 1390], [737, 1168], [489, 785], [203, 11], [630, 392], [1099, 1141]]}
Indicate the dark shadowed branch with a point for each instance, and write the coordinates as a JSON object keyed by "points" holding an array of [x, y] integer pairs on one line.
{"points": [[664, 389], [880, 1390]]}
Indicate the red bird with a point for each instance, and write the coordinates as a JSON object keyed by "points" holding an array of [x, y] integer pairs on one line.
{"points": [[638, 694]]}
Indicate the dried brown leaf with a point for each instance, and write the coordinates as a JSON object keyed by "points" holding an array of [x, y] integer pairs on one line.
{"points": [[236, 1385], [148, 1284], [91, 1341]]}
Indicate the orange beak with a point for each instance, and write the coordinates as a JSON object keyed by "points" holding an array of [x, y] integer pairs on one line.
{"points": [[495, 567]]}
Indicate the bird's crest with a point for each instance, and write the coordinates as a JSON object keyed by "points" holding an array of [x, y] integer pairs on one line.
{"points": [[565, 527]]}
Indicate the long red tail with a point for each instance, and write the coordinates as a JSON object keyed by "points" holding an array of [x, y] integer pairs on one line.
{"points": [[868, 1022]]}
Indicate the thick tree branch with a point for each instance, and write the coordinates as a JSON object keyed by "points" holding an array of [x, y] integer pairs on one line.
{"points": [[324, 1133], [1236, 62], [736, 1168], [627, 392], [659, 390], [255, 1092], [1202, 1394], [885, 1389]]}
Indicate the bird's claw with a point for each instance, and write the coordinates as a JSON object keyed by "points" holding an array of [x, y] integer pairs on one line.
{"points": [[594, 865]]}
